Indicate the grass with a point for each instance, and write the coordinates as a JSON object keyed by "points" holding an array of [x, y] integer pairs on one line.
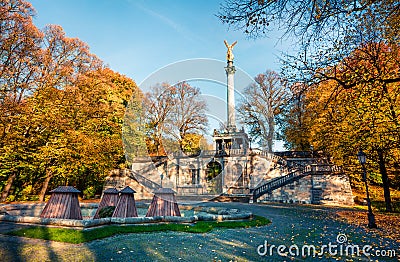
{"points": [[377, 198], [376, 193], [75, 236], [380, 206]]}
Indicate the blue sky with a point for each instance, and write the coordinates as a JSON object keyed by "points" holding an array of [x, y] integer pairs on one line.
{"points": [[137, 38]]}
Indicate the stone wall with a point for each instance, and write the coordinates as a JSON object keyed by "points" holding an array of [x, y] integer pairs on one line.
{"points": [[333, 189], [317, 189], [336, 190], [119, 179], [178, 174]]}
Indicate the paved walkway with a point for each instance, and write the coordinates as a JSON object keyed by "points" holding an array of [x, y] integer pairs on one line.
{"points": [[303, 226]]}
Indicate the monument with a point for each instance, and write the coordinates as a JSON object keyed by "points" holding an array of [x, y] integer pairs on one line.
{"points": [[230, 84], [230, 140], [233, 169]]}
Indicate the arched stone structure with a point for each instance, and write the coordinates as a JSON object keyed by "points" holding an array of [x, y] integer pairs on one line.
{"points": [[214, 177]]}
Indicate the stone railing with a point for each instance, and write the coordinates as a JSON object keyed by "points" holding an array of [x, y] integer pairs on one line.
{"points": [[190, 190], [301, 154], [321, 169], [270, 156], [203, 153], [144, 181], [278, 182], [235, 152], [212, 153]]}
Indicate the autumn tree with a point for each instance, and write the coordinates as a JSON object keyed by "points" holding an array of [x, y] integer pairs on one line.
{"points": [[294, 121], [19, 59], [76, 136], [64, 59], [188, 113], [309, 20], [194, 143], [263, 101], [173, 112], [363, 116], [61, 109], [326, 32], [157, 106], [95, 112], [19, 49]]}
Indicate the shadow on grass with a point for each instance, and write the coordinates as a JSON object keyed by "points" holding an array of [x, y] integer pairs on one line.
{"points": [[17, 249], [76, 236]]}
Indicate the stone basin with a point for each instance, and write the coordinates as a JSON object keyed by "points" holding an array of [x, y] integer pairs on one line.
{"points": [[29, 213]]}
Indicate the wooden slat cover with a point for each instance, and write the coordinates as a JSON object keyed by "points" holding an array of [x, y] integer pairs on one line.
{"points": [[108, 199], [126, 206], [62, 205], [163, 204]]}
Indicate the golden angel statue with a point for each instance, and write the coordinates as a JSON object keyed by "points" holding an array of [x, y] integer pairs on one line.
{"points": [[229, 53]]}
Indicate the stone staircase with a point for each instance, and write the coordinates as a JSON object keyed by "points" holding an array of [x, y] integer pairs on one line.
{"points": [[270, 156], [295, 175], [149, 167], [149, 184]]}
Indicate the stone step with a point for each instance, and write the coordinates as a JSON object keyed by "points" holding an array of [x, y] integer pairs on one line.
{"points": [[243, 198], [195, 198]]}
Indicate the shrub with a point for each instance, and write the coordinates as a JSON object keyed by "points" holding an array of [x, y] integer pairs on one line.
{"points": [[106, 211], [10, 198], [89, 192]]}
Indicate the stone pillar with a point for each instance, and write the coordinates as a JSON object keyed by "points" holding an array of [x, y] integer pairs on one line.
{"points": [[230, 73]]}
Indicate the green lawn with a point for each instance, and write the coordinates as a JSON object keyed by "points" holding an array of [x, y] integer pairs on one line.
{"points": [[76, 236], [380, 206]]}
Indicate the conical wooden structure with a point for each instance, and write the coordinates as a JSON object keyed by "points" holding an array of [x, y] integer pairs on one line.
{"points": [[163, 204], [126, 206], [63, 203], [109, 198]]}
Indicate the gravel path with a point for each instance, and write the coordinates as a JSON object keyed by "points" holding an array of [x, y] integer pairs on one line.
{"points": [[299, 225]]}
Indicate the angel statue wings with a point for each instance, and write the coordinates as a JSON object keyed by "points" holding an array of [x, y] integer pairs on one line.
{"points": [[229, 53]]}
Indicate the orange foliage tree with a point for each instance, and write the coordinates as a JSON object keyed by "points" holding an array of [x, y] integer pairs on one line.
{"points": [[358, 106], [61, 109], [19, 62]]}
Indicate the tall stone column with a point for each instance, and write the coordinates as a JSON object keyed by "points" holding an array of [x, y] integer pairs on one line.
{"points": [[230, 75]]}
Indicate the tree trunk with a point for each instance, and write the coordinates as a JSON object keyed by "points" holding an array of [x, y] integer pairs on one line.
{"points": [[7, 187], [385, 180], [42, 194], [271, 131]]}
